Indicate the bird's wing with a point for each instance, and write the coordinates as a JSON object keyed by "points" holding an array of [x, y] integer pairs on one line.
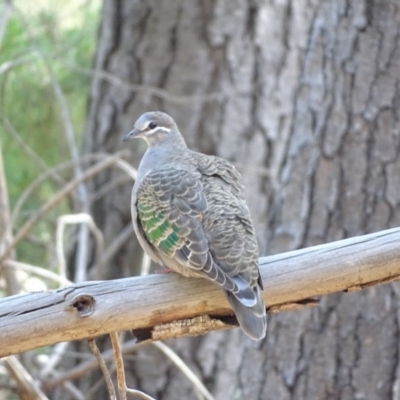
{"points": [[227, 222], [171, 205], [229, 229], [222, 169]]}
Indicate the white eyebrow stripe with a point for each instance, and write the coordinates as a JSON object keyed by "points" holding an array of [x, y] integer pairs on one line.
{"points": [[159, 128]]}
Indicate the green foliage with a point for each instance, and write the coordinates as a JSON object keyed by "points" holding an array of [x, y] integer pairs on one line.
{"points": [[62, 36]]}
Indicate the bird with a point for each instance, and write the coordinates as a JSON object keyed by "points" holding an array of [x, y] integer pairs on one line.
{"points": [[190, 215]]}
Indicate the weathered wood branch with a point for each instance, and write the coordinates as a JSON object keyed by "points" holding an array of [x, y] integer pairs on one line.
{"points": [[161, 306]]}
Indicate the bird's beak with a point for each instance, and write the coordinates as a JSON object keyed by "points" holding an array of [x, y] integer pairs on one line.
{"points": [[132, 135]]}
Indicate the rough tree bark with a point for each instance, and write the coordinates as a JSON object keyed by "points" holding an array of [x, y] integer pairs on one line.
{"points": [[309, 92]]}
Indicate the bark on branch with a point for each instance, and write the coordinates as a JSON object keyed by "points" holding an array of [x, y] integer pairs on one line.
{"points": [[162, 306]]}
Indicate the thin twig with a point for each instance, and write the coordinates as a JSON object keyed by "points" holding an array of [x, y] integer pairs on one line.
{"points": [[28, 150], [146, 262], [152, 90], [49, 369], [6, 66], [65, 165], [88, 366], [184, 368], [109, 187], [104, 369], [81, 218], [140, 394], [113, 248], [57, 353], [54, 201], [23, 378], [264, 172], [82, 253], [119, 365], [97, 385], [44, 273], [74, 391], [122, 164]]}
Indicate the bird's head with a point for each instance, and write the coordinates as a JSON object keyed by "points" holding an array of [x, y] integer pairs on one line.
{"points": [[155, 128]]}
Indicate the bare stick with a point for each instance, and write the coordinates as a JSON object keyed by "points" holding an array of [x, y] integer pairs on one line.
{"points": [[65, 165], [8, 65], [83, 242], [132, 172], [82, 253], [42, 272], [29, 152], [113, 248], [109, 187], [146, 262], [169, 305], [73, 391], [49, 370], [104, 369], [152, 90], [24, 379], [119, 365], [197, 383], [54, 201], [140, 394], [56, 355], [87, 366], [76, 219]]}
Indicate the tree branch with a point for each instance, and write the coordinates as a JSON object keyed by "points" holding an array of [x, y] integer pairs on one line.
{"points": [[163, 306]]}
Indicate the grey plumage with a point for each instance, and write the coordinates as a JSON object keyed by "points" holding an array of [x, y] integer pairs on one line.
{"points": [[189, 214]]}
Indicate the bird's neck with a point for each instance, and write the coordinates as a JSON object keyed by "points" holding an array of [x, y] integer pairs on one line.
{"points": [[158, 155]]}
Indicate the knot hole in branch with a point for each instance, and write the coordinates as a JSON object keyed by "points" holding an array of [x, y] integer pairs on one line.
{"points": [[84, 304]]}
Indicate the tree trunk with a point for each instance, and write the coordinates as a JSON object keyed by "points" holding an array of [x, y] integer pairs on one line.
{"points": [[303, 98]]}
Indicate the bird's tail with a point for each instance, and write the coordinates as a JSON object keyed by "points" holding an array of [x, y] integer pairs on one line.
{"points": [[253, 320]]}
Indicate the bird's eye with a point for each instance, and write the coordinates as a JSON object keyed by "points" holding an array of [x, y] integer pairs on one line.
{"points": [[152, 125]]}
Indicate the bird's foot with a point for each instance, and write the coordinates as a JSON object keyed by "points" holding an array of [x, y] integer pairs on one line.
{"points": [[165, 270]]}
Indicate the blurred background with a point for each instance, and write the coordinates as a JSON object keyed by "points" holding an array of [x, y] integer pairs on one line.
{"points": [[302, 97]]}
